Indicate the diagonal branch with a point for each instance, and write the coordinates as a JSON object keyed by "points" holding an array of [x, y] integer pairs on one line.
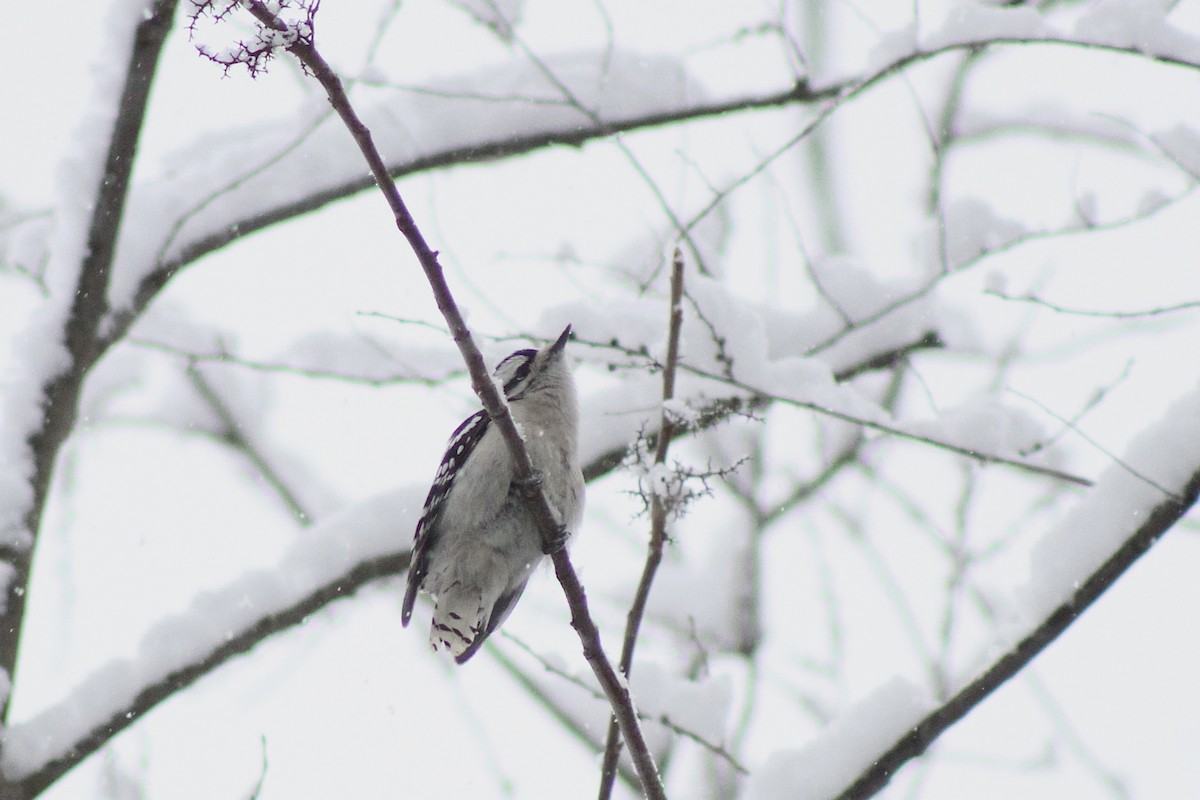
{"points": [[662, 719], [233, 433], [761, 396], [344, 585], [1158, 521], [493, 401], [561, 712], [484, 150], [719, 410]]}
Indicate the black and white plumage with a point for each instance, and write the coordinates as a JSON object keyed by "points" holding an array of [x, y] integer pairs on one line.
{"points": [[477, 542]]}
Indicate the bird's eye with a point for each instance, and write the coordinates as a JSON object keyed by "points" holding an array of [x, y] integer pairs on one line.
{"points": [[513, 372]]}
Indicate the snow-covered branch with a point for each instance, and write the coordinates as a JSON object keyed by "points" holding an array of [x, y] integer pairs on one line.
{"points": [[181, 222], [330, 562], [68, 324], [1115, 525]]}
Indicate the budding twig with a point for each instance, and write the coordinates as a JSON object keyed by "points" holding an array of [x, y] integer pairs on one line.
{"points": [[658, 522]]}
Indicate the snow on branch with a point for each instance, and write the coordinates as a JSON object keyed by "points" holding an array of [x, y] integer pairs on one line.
{"points": [[731, 347], [453, 121], [180, 220], [40, 414], [331, 561], [1116, 523]]}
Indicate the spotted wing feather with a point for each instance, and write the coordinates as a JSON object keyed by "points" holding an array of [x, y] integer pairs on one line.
{"points": [[464, 439]]}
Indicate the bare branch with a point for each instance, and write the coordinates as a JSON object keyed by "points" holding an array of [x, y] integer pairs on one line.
{"points": [[87, 336], [1120, 462], [615, 689], [232, 432], [299, 370], [658, 519], [661, 720], [984, 458], [582, 731], [719, 410], [262, 772], [275, 623], [1083, 312], [988, 252]]}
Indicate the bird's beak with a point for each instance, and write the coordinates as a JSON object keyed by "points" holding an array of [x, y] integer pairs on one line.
{"points": [[561, 342]]}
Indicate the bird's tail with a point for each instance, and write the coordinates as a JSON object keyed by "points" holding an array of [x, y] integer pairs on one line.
{"points": [[458, 620]]}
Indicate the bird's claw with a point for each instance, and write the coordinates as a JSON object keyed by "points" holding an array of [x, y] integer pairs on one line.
{"points": [[528, 486], [557, 542]]}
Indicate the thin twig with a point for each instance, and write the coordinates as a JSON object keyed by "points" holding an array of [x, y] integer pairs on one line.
{"points": [[988, 252], [1116, 459], [262, 772], [1093, 402], [493, 401], [233, 433], [883, 427], [157, 276], [561, 712], [719, 410], [1191, 305], [848, 454], [298, 370], [662, 719], [658, 521], [594, 116]]}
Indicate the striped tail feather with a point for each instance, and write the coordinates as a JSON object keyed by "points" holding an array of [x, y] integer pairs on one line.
{"points": [[458, 620]]}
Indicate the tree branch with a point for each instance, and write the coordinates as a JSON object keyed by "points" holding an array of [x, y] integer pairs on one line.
{"points": [[983, 458], [661, 719], [719, 410], [480, 151], [60, 395], [493, 401], [1191, 305], [243, 642], [85, 346], [233, 433], [922, 735], [573, 135], [559, 711], [658, 521], [344, 585]]}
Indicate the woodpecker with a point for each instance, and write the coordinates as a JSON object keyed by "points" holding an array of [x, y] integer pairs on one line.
{"points": [[477, 541]]}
